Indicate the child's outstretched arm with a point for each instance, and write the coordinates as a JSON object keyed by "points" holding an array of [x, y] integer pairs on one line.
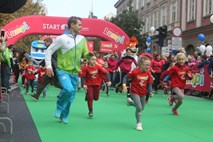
{"points": [[126, 80], [149, 87], [166, 78], [189, 74], [108, 79]]}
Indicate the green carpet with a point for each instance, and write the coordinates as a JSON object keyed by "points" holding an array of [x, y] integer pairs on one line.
{"points": [[115, 121]]}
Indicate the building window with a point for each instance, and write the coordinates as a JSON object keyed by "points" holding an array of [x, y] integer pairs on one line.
{"points": [[148, 22], [136, 4], [155, 19], [132, 4], [173, 12], [208, 7], [142, 3], [163, 16], [191, 10]]}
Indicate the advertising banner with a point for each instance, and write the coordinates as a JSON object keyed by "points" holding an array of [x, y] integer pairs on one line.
{"points": [[106, 47], [201, 80], [90, 45]]}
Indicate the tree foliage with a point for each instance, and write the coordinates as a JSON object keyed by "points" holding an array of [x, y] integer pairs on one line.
{"points": [[96, 42], [30, 8], [128, 21]]}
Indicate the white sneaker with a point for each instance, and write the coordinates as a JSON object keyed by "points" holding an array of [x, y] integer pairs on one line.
{"points": [[130, 102], [139, 126]]}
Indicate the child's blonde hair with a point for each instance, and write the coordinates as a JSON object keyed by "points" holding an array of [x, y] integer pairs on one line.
{"points": [[180, 54]]}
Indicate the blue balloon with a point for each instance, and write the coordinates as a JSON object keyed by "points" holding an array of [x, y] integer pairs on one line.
{"points": [[148, 50], [148, 39], [174, 52], [201, 37]]}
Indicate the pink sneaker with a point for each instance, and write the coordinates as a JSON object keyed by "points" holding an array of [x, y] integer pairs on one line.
{"points": [[174, 111], [171, 100]]}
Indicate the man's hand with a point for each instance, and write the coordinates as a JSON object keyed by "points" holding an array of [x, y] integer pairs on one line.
{"points": [[50, 72], [124, 88], [85, 87]]}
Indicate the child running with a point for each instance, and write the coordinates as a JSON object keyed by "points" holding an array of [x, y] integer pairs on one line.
{"points": [[41, 72], [141, 84], [92, 75], [178, 73], [30, 70], [104, 78]]}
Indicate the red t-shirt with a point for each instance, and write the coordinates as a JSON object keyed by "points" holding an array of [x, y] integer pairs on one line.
{"points": [[140, 81], [92, 75], [41, 72], [179, 75], [112, 64], [157, 66], [30, 69]]}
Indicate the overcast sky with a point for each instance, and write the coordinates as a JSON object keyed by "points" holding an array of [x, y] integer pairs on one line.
{"points": [[81, 8]]}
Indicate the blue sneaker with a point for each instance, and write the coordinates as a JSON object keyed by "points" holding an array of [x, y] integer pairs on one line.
{"points": [[64, 120], [57, 113], [44, 95]]}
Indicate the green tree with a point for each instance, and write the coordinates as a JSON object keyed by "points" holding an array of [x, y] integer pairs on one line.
{"points": [[128, 21], [30, 8], [96, 42]]}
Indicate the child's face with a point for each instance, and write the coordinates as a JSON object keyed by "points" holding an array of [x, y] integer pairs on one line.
{"points": [[105, 65], [112, 57], [158, 57], [92, 61], [145, 66], [82, 64], [30, 62], [181, 60]]}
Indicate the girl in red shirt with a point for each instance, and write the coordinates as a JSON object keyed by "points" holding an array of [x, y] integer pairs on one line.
{"points": [[178, 73], [141, 84], [92, 74]]}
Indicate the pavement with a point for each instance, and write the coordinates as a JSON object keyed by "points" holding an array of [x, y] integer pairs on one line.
{"points": [[24, 129]]}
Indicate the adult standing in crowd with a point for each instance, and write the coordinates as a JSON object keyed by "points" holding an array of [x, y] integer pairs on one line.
{"points": [[5, 59], [157, 65]]}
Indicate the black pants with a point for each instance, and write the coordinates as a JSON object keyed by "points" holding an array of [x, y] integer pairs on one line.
{"points": [[156, 81], [30, 84], [45, 81], [5, 75]]}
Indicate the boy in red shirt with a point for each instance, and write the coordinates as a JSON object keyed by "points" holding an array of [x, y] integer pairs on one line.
{"points": [[104, 78], [30, 70], [141, 84], [178, 73], [92, 74], [41, 72]]}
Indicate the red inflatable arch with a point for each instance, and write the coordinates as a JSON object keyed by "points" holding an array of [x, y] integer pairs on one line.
{"points": [[49, 25]]}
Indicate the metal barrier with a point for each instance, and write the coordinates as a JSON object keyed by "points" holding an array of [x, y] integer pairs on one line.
{"points": [[9, 120], [5, 121]]}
